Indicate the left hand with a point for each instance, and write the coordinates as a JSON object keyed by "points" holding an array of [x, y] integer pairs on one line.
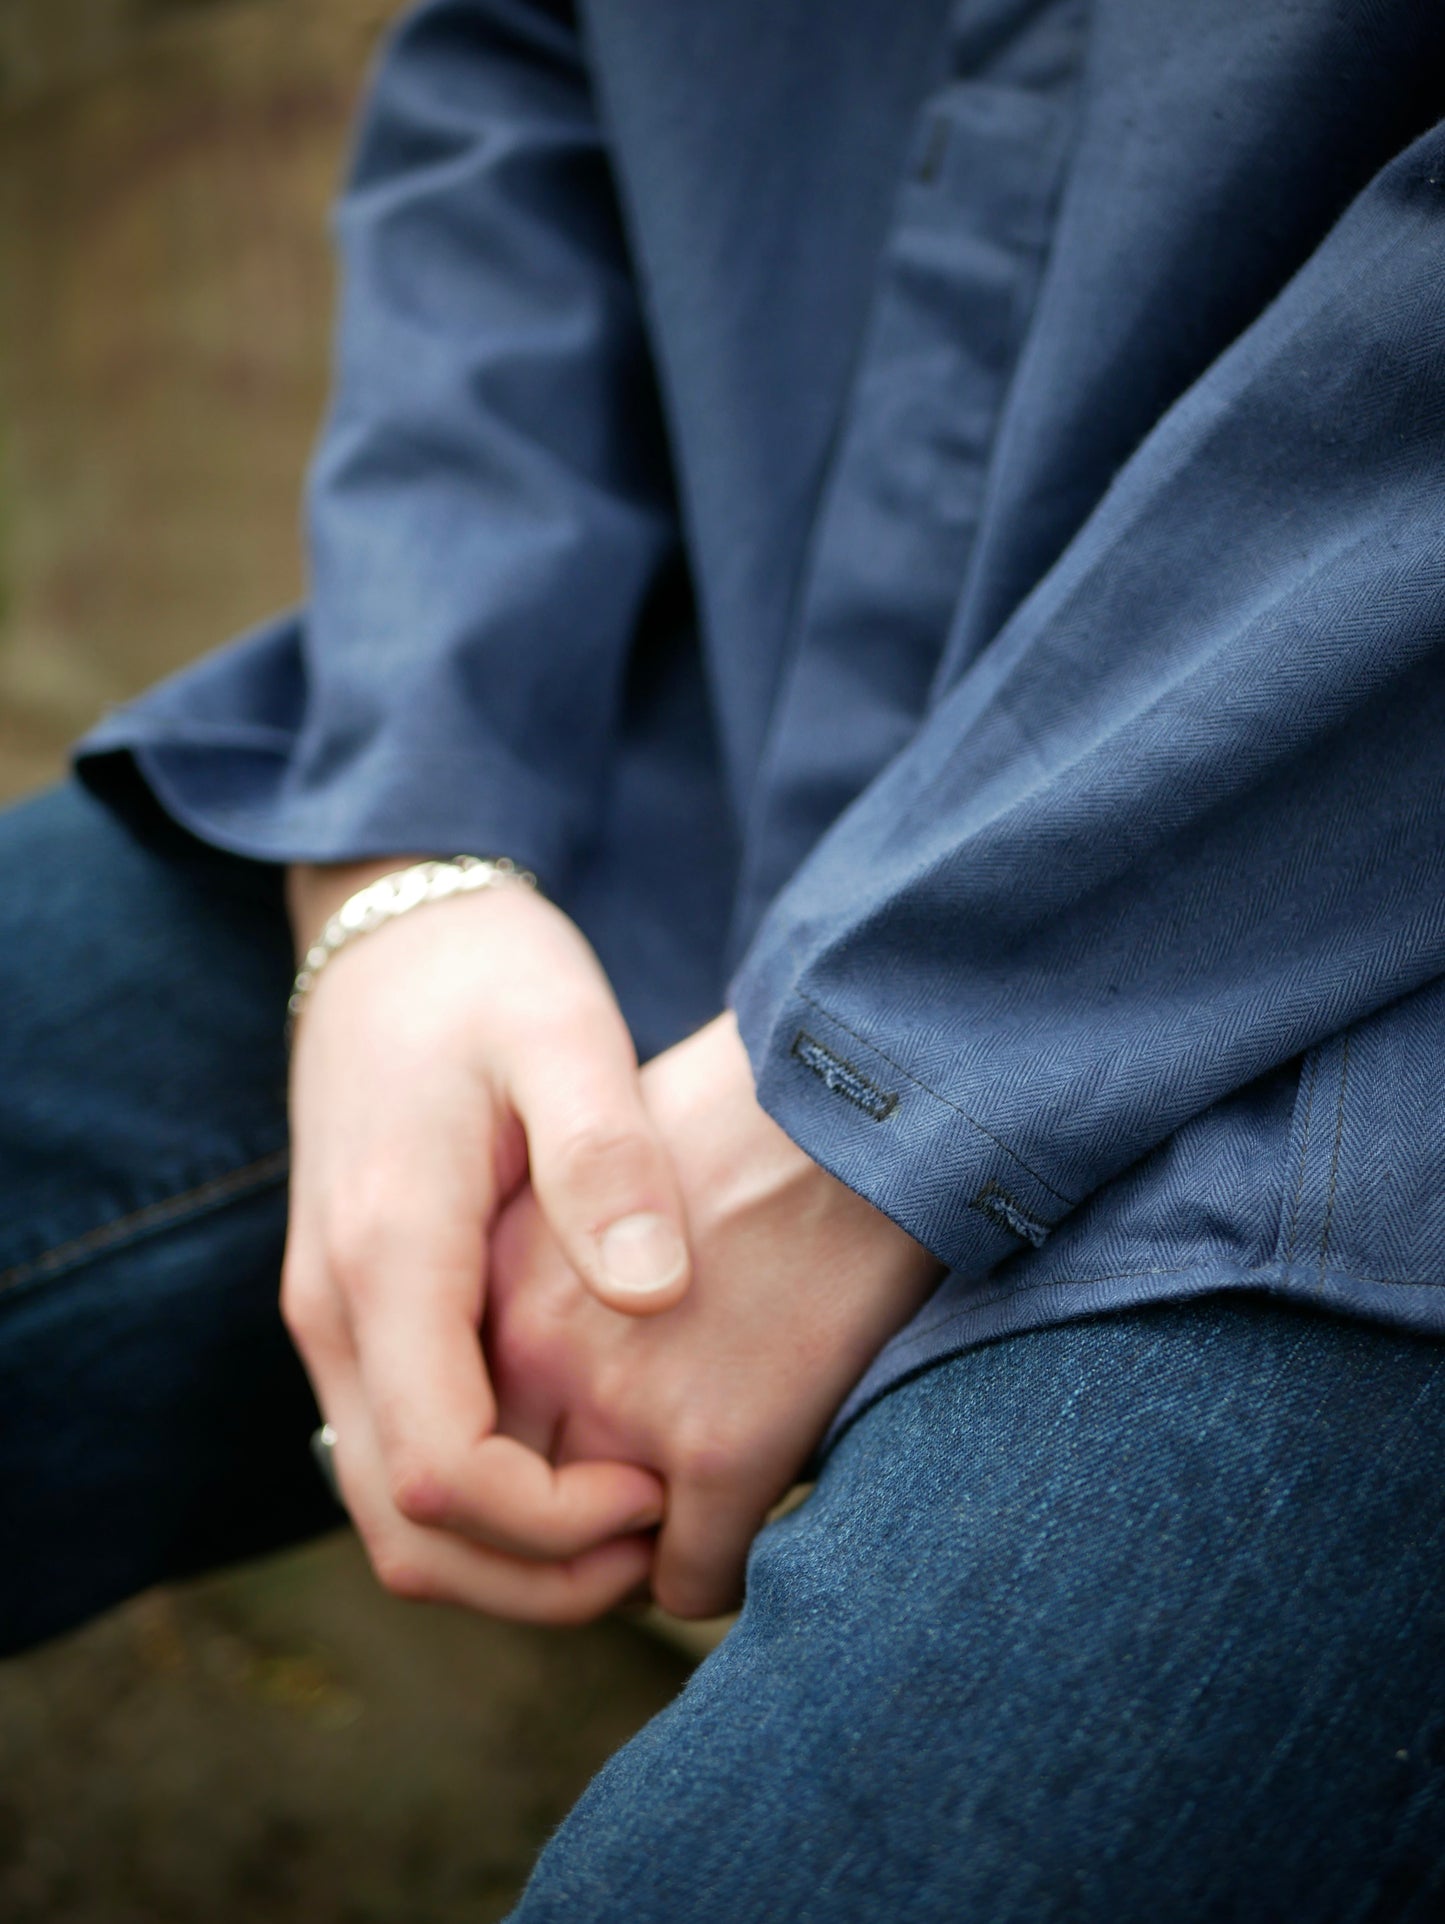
{"points": [[798, 1282], [438, 1063]]}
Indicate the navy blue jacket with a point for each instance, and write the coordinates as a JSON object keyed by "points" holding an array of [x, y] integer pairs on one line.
{"points": [[932, 515]]}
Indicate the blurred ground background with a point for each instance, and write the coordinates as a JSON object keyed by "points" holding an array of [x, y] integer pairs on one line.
{"points": [[279, 1742]]}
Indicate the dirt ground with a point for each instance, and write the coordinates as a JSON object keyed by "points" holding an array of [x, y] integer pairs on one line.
{"points": [[285, 1743], [280, 1742]]}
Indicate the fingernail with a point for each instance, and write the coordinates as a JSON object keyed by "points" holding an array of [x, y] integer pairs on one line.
{"points": [[641, 1254]]}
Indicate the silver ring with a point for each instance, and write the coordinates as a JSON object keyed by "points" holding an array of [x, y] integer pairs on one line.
{"points": [[323, 1448]]}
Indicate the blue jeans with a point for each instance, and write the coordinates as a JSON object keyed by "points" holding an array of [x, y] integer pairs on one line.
{"points": [[1137, 1618]]}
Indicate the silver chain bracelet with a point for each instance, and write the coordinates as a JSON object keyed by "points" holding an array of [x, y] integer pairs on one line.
{"points": [[393, 895]]}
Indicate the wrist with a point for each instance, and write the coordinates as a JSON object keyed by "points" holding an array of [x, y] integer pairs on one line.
{"points": [[315, 891], [393, 896]]}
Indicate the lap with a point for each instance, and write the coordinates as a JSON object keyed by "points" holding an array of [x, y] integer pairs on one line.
{"points": [[1132, 1619], [152, 1417], [1138, 1617]]}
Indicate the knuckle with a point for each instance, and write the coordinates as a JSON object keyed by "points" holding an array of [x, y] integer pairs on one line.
{"points": [[595, 1155], [351, 1254], [578, 1596], [359, 1239], [672, 1594], [298, 1307], [527, 1340], [570, 1608], [691, 1595], [402, 1576], [614, 1387], [420, 1492], [305, 1305], [709, 1457]]}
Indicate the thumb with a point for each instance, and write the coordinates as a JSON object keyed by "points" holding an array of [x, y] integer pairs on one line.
{"points": [[603, 1179]]}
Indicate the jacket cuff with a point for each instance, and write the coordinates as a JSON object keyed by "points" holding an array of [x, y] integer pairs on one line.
{"points": [[217, 748], [914, 1154]]}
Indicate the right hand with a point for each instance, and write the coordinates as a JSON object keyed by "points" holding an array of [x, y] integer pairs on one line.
{"points": [[799, 1282], [437, 1061]]}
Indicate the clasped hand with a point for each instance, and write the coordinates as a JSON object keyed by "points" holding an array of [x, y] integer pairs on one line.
{"points": [[672, 1297]]}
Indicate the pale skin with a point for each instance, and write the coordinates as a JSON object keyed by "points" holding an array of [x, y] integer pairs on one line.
{"points": [[468, 1122], [797, 1283]]}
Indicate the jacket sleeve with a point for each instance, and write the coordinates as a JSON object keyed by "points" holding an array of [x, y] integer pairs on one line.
{"points": [[490, 502], [1183, 817]]}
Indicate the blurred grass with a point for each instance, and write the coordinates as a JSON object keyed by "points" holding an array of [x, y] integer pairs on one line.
{"points": [[282, 1741]]}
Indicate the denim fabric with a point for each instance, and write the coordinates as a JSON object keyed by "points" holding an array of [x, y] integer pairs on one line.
{"points": [[1320, 1182], [153, 1417], [1135, 1620], [932, 514], [1138, 1618]]}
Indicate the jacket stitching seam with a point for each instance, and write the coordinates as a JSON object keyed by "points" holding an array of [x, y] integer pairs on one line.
{"points": [[972, 1121], [1335, 1156], [1303, 1155]]}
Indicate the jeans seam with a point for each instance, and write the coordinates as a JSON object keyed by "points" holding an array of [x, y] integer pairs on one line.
{"points": [[212, 1194]]}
